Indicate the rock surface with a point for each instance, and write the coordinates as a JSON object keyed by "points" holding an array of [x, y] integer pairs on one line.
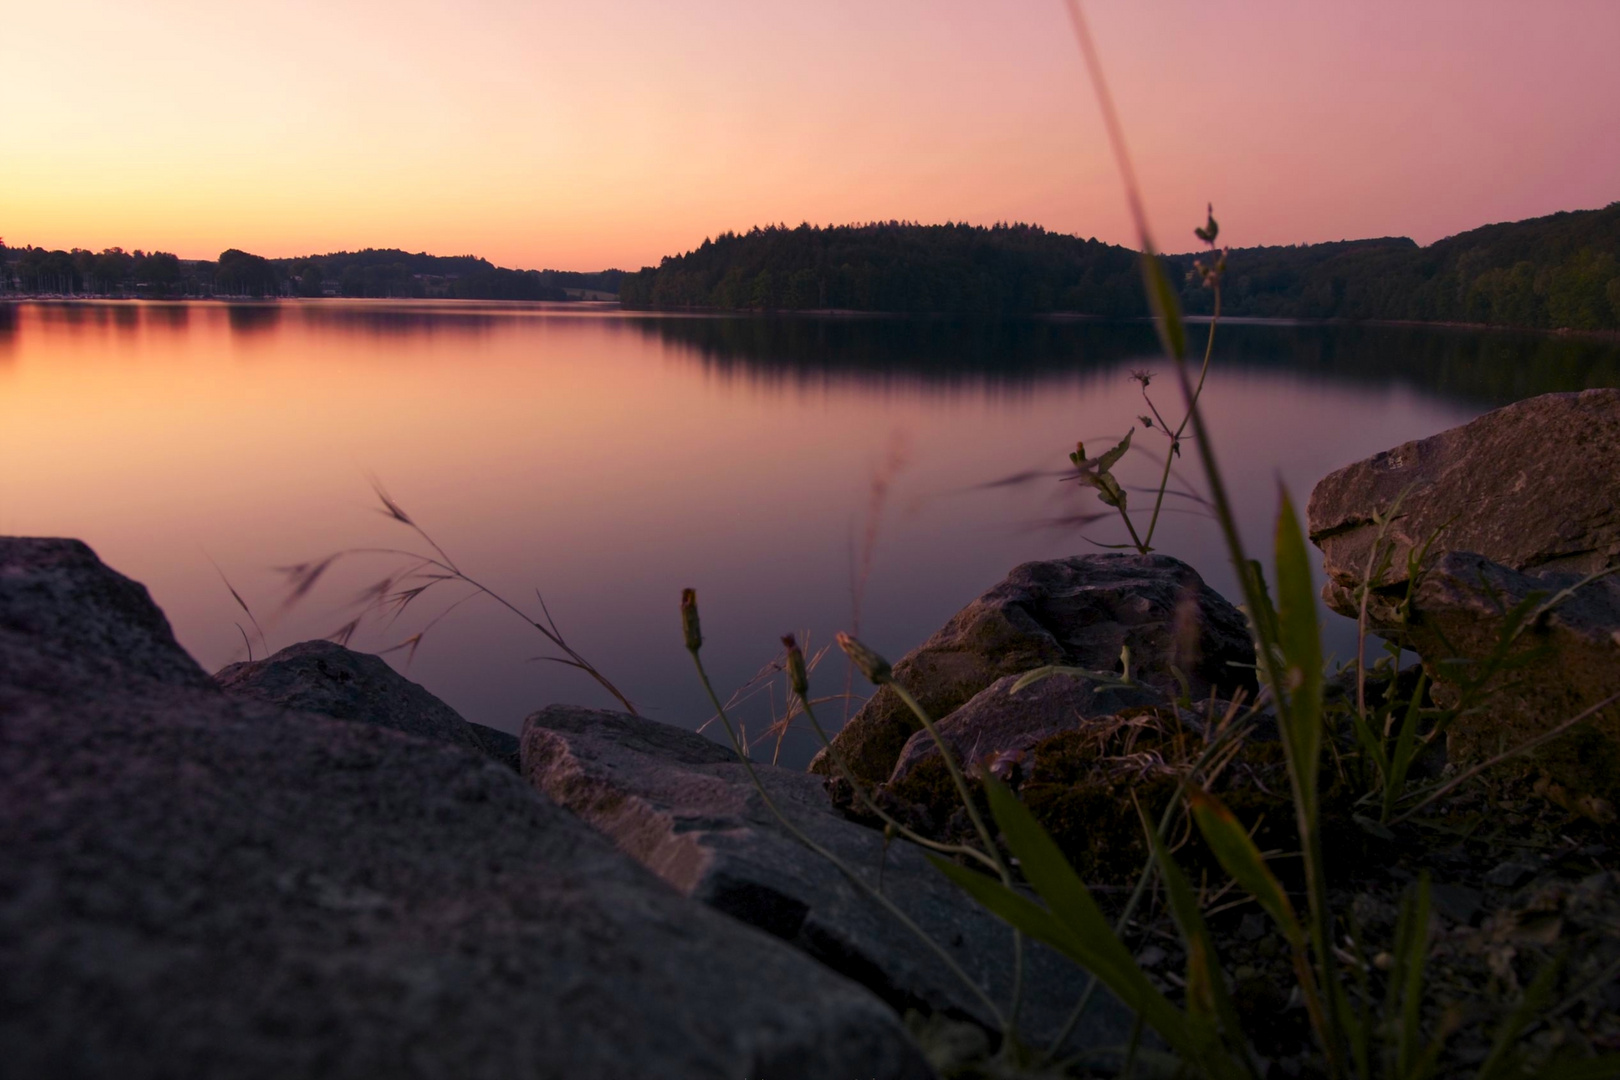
{"points": [[324, 677], [998, 724], [196, 885], [1534, 485], [685, 807], [1078, 611], [1574, 653]]}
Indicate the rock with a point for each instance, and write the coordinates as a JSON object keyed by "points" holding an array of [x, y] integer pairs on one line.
{"points": [[999, 726], [1534, 485], [685, 807], [324, 677], [1510, 875], [1078, 611], [1565, 663], [1459, 903], [198, 885]]}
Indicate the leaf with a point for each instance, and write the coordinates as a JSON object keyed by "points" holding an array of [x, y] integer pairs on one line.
{"points": [[1299, 636], [1238, 856], [1029, 678], [1207, 995], [1074, 925], [1166, 308]]}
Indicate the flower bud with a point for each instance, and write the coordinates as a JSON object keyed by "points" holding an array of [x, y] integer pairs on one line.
{"points": [[689, 620], [798, 677], [873, 666]]}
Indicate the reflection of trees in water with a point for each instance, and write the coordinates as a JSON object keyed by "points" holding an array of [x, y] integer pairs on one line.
{"points": [[8, 330], [401, 321], [1487, 367], [253, 318], [946, 351]]}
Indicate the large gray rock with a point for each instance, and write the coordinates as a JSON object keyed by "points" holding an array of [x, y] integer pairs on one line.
{"points": [[196, 885], [1533, 486], [324, 677], [1564, 663], [1078, 611], [685, 807]]}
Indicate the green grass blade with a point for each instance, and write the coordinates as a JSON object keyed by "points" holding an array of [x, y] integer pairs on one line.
{"points": [[1166, 307], [1405, 992], [1208, 1000], [1051, 876], [1239, 857], [1406, 748], [1300, 636]]}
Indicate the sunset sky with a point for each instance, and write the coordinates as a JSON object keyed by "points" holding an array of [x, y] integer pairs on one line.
{"points": [[582, 135]]}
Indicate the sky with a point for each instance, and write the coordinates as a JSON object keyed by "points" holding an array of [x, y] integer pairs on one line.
{"points": [[584, 135]]}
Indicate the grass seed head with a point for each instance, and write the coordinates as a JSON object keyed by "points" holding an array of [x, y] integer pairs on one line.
{"points": [[798, 676], [689, 620], [873, 666]]}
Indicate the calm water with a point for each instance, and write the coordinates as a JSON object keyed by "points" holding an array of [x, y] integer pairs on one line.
{"points": [[610, 459]]}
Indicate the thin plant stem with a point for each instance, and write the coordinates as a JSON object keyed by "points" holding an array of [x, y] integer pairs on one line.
{"points": [[839, 864], [985, 835], [1175, 440], [877, 811], [1310, 838]]}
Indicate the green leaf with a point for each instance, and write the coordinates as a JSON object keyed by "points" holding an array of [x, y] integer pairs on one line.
{"points": [[1299, 635], [1406, 748], [1035, 675], [1208, 998], [1166, 308], [1109, 457], [1239, 857]]}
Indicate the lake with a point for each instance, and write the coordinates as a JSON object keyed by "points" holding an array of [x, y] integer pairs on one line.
{"points": [[609, 459]]}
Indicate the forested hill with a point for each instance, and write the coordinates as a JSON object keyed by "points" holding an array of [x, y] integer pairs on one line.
{"points": [[1550, 272], [374, 272], [896, 266]]}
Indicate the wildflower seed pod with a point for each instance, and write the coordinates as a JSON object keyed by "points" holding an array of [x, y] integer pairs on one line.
{"points": [[689, 620], [873, 666], [798, 676]]}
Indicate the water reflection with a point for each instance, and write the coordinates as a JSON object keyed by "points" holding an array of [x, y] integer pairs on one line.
{"points": [[1488, 367], [249, 318], [614, 458]]}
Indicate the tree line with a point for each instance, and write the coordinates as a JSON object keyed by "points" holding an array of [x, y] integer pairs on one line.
{"points": [[1560, 271], [379, 273]]}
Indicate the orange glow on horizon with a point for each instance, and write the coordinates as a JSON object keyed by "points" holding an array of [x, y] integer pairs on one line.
{"points": [[580, 136]]}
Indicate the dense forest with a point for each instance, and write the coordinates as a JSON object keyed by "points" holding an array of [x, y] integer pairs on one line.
{"points": [[1561, 271], [369, 273], [896, 266]]}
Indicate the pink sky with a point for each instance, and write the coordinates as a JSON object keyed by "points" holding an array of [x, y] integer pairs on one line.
{"points": [[578, 135]]}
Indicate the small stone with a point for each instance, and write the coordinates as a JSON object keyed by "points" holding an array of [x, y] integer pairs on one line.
{"points": [[1253, 927], [1151, 957], [1510, 875], [1459, 903]]}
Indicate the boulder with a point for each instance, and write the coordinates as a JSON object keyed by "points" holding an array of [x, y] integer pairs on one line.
{"points": [[686, 807], [1532, 486], [1000, 726], [1080, 611], [324, 677], [1565, 662], [193, 884]]}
